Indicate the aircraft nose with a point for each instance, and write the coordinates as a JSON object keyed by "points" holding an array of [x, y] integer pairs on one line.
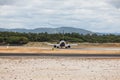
{"points": [[62, 44]]}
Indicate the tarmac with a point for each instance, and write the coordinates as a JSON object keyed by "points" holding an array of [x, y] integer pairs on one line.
{"points": [[75, 52]]}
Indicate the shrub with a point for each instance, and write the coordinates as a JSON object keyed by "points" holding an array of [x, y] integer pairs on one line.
{"points": [[17, 40]]}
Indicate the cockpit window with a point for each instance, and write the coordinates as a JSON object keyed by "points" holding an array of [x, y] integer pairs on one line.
{"points": [[62, 44]]}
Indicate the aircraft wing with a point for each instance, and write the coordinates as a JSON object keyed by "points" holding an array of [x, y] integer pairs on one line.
{"points": [[52, 44], [73, 44]]}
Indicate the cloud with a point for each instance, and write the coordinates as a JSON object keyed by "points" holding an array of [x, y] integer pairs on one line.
{"points": [[94, 15], [7, 2], [115, 3]]}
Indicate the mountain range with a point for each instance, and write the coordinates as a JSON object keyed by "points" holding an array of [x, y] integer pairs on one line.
{"points": [[50, 30], [54, 30]]}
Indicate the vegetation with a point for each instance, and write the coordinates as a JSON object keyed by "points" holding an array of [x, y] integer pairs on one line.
{"points": [[17, 40], [23, 38]]}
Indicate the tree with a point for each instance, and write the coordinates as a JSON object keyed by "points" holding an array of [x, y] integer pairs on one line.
{"points": [[1, 39], [17, 40], [23, 40]]}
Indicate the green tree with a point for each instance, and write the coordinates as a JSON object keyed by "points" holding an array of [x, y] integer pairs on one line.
{"points": [[1, 39], [17, 40]]}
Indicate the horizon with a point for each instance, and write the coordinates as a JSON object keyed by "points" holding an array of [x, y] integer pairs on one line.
{"points": [[64, 27], [101, 16]]}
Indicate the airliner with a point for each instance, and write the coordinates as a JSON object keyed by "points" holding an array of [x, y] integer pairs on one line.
{"points": [[63, 44]]}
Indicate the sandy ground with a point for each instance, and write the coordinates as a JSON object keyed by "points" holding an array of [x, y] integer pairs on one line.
{"points": [[43, 50], [79, 45], [58, 68], [81, 48]]}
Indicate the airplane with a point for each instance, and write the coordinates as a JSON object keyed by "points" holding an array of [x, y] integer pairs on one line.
{"points": [[63, 44]]}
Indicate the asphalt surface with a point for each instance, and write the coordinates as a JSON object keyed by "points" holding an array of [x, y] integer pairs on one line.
{"points": [[61, 55], [69, 55]]}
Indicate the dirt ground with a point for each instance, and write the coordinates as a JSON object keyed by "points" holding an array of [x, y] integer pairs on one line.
{"points": [[80, 45], [81, 48], [41, 50], [58, 68]]}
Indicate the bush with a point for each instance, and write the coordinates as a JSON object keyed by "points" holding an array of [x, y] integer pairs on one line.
{"points": [[17, 40], [70, 39], [1, 39]]}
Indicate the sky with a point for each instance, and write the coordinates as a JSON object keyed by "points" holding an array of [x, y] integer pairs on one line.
{"points": [[93, 15]]}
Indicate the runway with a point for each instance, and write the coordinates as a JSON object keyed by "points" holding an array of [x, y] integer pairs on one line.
{"points": [[61, 55], [73, 52]]}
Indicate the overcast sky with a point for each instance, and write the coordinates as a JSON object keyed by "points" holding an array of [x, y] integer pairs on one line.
{"points": [[93, 15]]}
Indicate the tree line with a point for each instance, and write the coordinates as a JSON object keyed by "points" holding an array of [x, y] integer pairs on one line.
{"points": [[23, 38]]}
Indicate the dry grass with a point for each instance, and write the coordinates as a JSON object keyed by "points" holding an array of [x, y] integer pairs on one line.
{"points": [[42, 47], [36, 44], [44, 44], [55, 51], [98, 45]]}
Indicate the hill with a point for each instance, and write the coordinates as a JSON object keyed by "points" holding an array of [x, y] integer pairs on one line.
{"points": [[50, 30]]}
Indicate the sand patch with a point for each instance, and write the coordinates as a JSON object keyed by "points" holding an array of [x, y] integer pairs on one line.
{"points": [[59, 69], [41, 50]]}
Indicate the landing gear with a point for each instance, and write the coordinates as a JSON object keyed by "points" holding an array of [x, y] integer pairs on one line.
{"points": [[67, 47], [62, 47], [55, 46]]}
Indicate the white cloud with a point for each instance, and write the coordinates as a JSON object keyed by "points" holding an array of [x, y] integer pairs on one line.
{"points": [[94, 15], [7, 2], [115, 3]]}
